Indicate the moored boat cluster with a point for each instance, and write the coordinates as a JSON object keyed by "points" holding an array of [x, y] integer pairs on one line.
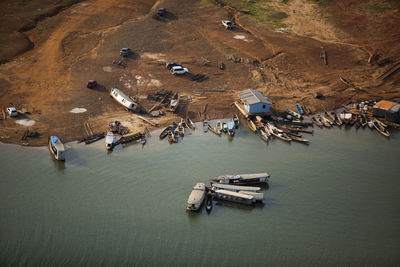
{"points": [[238, 188]]}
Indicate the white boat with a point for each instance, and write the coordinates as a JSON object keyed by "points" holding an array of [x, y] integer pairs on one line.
{"points": [[244, 179], [174, 104], [219, 126], [111, 140], [234, 188], [231, 128], [234, 197], [124, 100], [294, 114], [56, 148], [196, 197]]}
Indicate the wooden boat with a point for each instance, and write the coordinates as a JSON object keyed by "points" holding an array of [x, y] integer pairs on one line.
{"points": [[243, 179], [231, 128], [214, 130], [324, 121], [278, 133], [370, 123], [209, 202], [190, 124], [327, 119], [226, 195], [299, 109], [380, 128], [363, 120], [130, 137], [219, 126], [196, 197], [224, 127], [316, 122], [181, 129], [294, 114], [164, 133], [56, 148], [267, 131], [171, 138], [205, 126], [300, 139], [353, 119], [251, 124], [337, 119], [357, 122], [299, 129], [236, 120], [263, 135]]}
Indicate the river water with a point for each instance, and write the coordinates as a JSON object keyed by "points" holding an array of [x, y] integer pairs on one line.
{"points": [[335, 202]]}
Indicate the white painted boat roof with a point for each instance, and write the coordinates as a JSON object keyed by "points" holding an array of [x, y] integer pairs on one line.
{"points": [[234, 194], [236, 187], [199, 186], [245, 176]]}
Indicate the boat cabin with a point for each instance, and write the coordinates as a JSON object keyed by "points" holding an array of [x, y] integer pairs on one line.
{"points": [[234, 197]]}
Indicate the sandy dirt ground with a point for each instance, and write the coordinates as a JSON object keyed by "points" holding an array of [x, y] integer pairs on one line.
{"points": [[81, 42]]}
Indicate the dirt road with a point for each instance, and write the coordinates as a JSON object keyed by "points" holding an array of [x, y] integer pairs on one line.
{"points": [[81, 42]]}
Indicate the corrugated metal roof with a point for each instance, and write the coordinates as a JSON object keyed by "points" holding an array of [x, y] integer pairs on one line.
{"points": [[253, 96], [384, 104]]}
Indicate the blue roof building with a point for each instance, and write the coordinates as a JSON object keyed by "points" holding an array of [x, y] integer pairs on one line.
{"points": [[255, 102]]}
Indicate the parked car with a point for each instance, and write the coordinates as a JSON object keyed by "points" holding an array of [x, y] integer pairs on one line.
{"points": [[12, 112], [91, 84], [161, 11], [228, 24], [177, 70], [125, 52], [169, 65]]}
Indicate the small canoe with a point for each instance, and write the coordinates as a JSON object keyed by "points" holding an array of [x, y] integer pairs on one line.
{"points": [[263, 135], [219, 126], [164, 133], [236, 120], [190, 124], [316, 122], [214, 130], [224, 127], [337, 119], [209, 202], [300, 139], [294, 114], [252, 126], [380, 128], [330, 116], [324, 121], [205, 126], [299, 109]]}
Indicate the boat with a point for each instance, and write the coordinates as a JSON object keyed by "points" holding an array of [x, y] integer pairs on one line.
{"points": [[56, 148], [337, 119], [164, 133], [380, 128], [209, 201], [251, 124], [299, 109], [346, 117], [219, 126], [279, 133], [132, 136], [224, 127], [328, 119], [171, 138], [370, 123], [196, 197], [181, 129], [300, 139], [205, 126], [234, 188], [244, 179], [231, 128], [316, 122], [190, 124], [294, 114], [174, 104], [124, 100], [111, 140], [324, 121], [363, 120], [214, 130], [226, 195], [267, 131], [236, 120]]}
